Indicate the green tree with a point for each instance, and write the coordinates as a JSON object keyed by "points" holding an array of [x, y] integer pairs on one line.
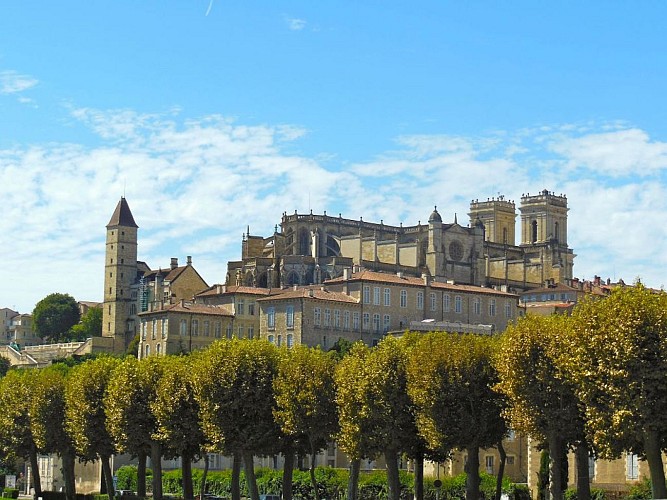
{"points": [[341, 348], [85, 410], [16, 436], [618, 360], [543, 401], [234, 387], [55, 315], [48, 417], [305, 404], [89, 326], [177, 414], [5, 365], [133, 347], [451, 379], [131, 423], [376, 412]]}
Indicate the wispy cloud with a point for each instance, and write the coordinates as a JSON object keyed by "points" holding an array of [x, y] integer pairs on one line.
{"points": [[12, 82], [296, 24], [195, 185]]}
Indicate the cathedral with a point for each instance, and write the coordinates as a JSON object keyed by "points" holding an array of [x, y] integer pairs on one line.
{"points": [[311, 248]]}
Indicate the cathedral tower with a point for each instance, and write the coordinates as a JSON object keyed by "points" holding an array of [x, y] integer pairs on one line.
{"points": [[498, 217], [120, 273], [544, 219]]}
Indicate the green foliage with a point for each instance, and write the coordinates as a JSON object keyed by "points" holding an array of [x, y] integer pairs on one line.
{"points": [[543, 476], [641, 490], [54, 315], [10, 493], [16, 437], [133, 347], [341, 348], [89, 326], [127, 477], [5, 365], [596, 494], [75, 359]]}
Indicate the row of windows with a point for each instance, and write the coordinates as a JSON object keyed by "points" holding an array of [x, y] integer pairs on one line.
{"points": [[206, 330], [271, 317], [241, 309], [380, 324], [278, 339]]}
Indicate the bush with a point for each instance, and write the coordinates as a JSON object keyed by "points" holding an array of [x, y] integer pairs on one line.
{"points": [[641, 490], [127, 477], [10, 493]]}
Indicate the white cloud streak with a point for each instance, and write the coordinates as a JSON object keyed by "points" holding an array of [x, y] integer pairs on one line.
{"points": [[12, 82]]}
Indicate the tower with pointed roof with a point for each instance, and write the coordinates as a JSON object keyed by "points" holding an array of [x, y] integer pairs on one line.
{"points": [[120, 273]]}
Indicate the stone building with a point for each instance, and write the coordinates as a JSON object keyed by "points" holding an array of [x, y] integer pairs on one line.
{"points": [[311, 248]]}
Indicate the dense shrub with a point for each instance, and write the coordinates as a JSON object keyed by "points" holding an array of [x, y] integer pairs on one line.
{"points": [[641, 490], [127, 477], [10, 493], [596, 494]]}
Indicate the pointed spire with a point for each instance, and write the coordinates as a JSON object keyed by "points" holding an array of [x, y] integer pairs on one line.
{"points": [[122, 216]]}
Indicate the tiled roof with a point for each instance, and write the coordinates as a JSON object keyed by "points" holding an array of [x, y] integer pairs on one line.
{"points": [[559, 287], [414, 281], [311, 293], [122, 216], [226, 290]]}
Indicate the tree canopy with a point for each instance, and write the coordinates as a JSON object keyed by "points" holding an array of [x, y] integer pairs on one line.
{"points": [[89, 326], [55, 315]]}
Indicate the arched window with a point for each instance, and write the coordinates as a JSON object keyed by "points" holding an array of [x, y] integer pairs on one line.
{"points": [[556, 234], [533, 230]]}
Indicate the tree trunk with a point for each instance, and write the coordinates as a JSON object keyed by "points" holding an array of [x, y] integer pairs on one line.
{"points": [[156, 464], [419, 477], [556, 454], [501, 469], [141, 474], [654, 459], [353, 481], [472, 472], [108, 476], [288, 470], [204, 476], [34, 471], [236, 477], [583, 479], [250, 479], [313, 479], [393, 481], [186, 470], [68, 474]]}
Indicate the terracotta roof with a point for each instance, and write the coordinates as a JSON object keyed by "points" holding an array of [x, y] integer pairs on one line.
{"points": [[414, 281], [122, 216], [188, 307], [227, 290], [311, 293], [559, 287]]}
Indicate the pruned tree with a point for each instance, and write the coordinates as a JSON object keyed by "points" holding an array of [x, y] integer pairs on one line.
{"points": [[86, 417], [16, 431], [234, 387], [49, 422], [55, 315], [618, 361], [305, 404], [543, 401], [451, 381]]}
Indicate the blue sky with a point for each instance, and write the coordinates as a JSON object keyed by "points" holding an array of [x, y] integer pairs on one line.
{"points": [[214, 115]]}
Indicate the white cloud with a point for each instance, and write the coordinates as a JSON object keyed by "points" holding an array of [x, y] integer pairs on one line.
{"points": [[296, 24], [195, 185], [12, 82]]}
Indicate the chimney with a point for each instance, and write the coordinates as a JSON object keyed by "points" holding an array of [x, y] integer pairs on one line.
{"points": [[426, 279], [218, 289], [189, 258], [174, 262], [310, 292], [346, 273]]}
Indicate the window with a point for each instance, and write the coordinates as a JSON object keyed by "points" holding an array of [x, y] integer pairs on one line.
{"points": [[271, 338], [376, 295], [446, 303], [458, 304], [251, 308], [148, 350], [240, 307], [280, 340], [509, 460], [367, 294], [154, 329], [631, 466], [143, 330], [404, 298], [337, 319], [317, 316], [218, 330], [229, 331], [165, 327], [195, 327], [387, 323], [376, 323], [433, 302], [489, 459], [387, 297], [346, 320], [289, 316], [327, 318], [239, 333], [157, 349], [591, 467], [508, 309], [290, 340], [355, 321], [420, 300], [206, 329], [492, 307], [271, 317], [324, 341], [184, 327], [477, 306], [251, 332], [367, 321]]}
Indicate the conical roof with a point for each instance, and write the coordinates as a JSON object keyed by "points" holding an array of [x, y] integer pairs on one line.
{"points": [[122, 216]]}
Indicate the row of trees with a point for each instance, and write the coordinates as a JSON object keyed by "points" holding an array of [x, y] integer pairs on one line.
{"points": [[595, 381]]}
